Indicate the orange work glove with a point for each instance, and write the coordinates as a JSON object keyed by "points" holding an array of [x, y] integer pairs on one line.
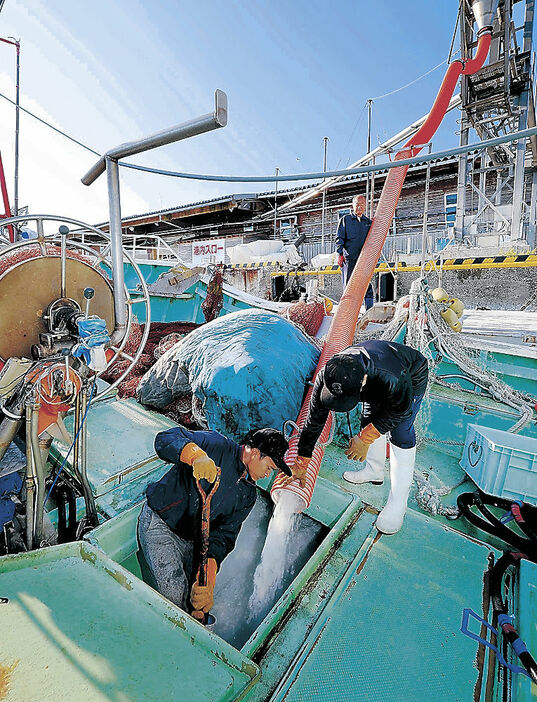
{"points": [[202, 597], [202, 465], [298, 470], [359, 444], [341, 260]]}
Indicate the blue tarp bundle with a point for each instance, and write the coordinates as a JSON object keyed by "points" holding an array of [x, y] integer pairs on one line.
{"points": [[249, 369]]}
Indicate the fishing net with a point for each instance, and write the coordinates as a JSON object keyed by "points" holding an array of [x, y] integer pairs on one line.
{"points": [[243, 370], [418, 322], [12, 258], [430, 334], [166, 343], [162, 336], [214, 299], [307, 315]]}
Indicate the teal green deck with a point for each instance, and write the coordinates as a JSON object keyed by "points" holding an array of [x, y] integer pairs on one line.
{"points": [[122, 461], [391, 631], [366, 617], [87, 630]]}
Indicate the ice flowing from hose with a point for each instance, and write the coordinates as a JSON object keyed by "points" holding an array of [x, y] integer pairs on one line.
{"points": [[269, 573], [343, 325]]}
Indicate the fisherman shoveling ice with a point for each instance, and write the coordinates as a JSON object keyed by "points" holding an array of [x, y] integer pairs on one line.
{"points": [[169, 523]]}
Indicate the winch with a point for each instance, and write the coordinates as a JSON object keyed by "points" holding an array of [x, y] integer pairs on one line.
{"points": [[58, 333]]}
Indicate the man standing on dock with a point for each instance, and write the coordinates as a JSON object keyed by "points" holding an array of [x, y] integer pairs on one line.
{"points": [[169, 524], [351, 234], [389, 379]]}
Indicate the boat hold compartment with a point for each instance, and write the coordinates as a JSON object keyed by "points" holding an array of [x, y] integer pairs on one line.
{"points": [[76, 626], [391, 630], [311, 539], [501, 464]]}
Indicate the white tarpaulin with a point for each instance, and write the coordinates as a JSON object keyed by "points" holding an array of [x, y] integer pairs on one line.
{"points": [[264, 250]]}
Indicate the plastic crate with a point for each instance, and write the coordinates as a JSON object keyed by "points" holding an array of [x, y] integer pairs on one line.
{"points": [[500, 463]]}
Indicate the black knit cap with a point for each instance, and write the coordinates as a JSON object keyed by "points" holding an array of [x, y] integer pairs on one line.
{"points": [[271, 443], [343, 375]]}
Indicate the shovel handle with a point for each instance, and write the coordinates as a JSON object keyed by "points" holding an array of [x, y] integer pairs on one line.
{"points": [[205, 498]]}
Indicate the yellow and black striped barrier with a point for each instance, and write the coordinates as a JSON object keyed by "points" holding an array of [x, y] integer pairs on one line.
{"points": [[448, 264], [250, 266], [465, 264]]}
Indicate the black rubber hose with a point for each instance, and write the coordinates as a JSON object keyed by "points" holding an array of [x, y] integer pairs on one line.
{"points": [[524, 514], [492, 525], [500, 610], [72, 523], [525, 518], [503, 531], [59, 496]]}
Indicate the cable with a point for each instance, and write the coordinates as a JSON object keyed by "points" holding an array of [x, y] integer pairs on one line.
{"points": [[532, 131], [403, 87], [74, 441], [59, 131], [424, 158], [358, 119], [454, 33]]}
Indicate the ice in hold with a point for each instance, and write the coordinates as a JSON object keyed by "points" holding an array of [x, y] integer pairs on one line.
{"points": [[235, 580], [270, 571]]}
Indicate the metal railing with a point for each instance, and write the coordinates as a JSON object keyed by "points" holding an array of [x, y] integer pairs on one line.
{"points": [[150, 248], [408, 239]]}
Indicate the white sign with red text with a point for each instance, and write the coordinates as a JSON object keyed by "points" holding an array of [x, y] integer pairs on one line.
{"points": [[212, 251]]}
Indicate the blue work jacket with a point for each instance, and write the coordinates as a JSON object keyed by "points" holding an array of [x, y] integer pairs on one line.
{"points": [[351, 235], [175, 497]]}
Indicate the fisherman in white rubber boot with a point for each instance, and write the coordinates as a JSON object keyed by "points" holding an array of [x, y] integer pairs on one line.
{"points": [[390, 380]]}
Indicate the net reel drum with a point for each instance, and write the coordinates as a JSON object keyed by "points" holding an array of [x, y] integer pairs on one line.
{"points": [[58, 334]]}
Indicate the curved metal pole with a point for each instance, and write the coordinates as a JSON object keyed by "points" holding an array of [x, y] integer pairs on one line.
{"points": [[199, 125], [109, 161]]}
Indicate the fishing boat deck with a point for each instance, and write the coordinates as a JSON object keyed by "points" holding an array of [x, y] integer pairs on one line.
{"points": [[366, 614]]}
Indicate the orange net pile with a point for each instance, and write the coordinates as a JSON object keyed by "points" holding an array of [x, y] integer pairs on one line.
{"points": [[309, 315], [162, 336]]}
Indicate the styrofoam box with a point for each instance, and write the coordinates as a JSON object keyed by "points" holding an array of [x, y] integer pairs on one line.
{"points": [[500, 463]]}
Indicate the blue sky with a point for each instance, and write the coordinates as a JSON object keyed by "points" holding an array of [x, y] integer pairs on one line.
{"points": [[109, 71]]}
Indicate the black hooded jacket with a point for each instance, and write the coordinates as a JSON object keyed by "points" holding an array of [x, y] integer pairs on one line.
{"points": [[395, 375]]}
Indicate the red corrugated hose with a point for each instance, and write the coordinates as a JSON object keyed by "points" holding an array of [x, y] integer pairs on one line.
{"points": [[341, 332]]}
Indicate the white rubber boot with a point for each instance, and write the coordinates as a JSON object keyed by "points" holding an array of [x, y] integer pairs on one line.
{"points": [[402, 461], [373, 471]]}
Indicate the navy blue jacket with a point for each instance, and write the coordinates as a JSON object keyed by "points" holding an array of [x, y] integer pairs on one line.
{"points": [[175, 497], [351, 235], [396, 373]]}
